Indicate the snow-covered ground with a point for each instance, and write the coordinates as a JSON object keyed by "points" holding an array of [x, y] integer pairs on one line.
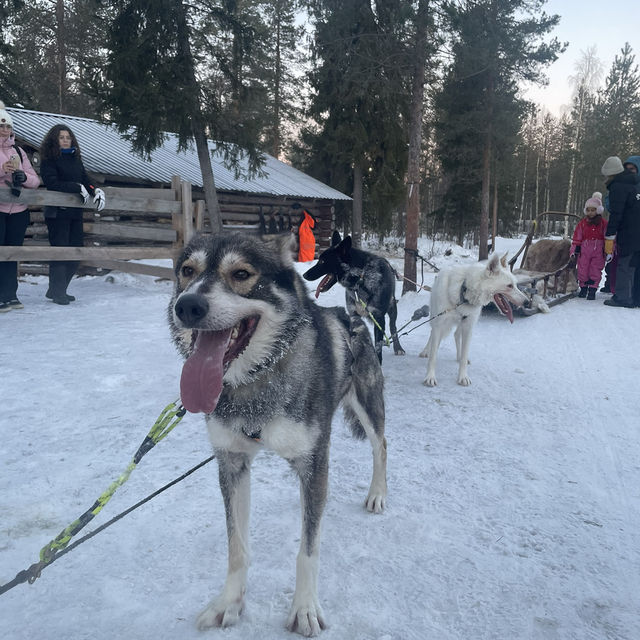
{"points": [[513, 507]]}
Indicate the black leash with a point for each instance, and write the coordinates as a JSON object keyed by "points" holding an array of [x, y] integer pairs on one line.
{"points": [[33, 572], [414, 318]]}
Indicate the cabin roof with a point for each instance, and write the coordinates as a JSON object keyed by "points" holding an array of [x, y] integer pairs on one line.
{"points": [[106, 151]]}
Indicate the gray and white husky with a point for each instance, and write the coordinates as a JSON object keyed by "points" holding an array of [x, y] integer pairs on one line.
{"points": [[457, 297], [269, 367]]}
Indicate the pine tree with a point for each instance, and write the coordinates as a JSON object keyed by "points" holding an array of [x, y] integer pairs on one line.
{"points": [[496, 44], [187, 69], [11, 88], [359, 103], [617, 109], [59, 47], [423, 50], [283, 62]]}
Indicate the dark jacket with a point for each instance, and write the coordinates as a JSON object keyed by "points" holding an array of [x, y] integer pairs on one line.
{"points": [[634, 160], [65, 173], [624, 209]]}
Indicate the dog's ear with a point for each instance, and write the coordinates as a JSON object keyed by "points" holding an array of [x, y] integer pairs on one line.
{"points": [[335, 238], [344, 248], [284, 245], [503, 260], [493, 266]]}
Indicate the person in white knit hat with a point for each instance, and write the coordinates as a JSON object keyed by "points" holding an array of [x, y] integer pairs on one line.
{"points": [[16, 172], [623, 229]]}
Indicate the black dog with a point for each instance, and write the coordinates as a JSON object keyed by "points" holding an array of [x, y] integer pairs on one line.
{"points": [[369, 282]]}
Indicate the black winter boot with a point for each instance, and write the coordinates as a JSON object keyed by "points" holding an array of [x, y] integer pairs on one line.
{"points": [[591, 294], [583, 292]]}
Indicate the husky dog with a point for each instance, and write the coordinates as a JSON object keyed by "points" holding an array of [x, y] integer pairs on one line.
{"points": [[457, 298], [269, 367], [369, 283]]}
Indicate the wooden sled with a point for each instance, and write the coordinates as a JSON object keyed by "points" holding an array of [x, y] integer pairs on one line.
{"points": [[546, 274]]}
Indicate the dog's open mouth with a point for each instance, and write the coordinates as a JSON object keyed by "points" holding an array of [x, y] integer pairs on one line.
{"points": [[212, 352], [504, 306], [325, 284]]}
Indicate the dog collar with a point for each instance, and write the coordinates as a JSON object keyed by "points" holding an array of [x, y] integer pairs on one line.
{"points": [[463, 291]]}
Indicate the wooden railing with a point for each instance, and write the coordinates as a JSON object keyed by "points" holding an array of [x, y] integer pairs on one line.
{"points": [[136, 224]]}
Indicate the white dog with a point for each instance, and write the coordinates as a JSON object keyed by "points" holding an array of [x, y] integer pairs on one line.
{"points": [[457, 298]]}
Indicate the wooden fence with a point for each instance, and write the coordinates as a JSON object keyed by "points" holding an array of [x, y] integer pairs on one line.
{"points": [[136, 224]]}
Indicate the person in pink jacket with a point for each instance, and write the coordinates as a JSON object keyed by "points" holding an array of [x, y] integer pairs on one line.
{"points": [[588, 246], [15, 172]]}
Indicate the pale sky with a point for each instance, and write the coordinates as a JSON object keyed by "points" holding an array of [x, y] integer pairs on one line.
{"points": [[585, 23]]}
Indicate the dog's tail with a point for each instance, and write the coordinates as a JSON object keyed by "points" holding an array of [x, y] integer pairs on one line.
{"points": [[353, 422], [365, 399]]}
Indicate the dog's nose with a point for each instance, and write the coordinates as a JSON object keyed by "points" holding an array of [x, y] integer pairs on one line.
{"points": [[191, 308]]}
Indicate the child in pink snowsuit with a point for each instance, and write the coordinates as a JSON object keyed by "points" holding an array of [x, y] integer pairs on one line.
{"points": [[588, 246]]}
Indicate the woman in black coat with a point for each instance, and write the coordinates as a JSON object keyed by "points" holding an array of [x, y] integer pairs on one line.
{"points": [[624, 228], [61, 169]]}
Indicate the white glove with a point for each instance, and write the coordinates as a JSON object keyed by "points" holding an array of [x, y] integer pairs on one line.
{"points": [[99, 199], [84, 194], [609, 258]]}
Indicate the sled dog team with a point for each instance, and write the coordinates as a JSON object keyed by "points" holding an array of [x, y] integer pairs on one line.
{"points": [[241, 317]]}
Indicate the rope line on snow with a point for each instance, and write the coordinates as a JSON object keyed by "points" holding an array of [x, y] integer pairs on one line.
{"points": [[167, 420]]}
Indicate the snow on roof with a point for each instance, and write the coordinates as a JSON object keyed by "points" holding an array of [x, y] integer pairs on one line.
{"points": [[105, 151]]}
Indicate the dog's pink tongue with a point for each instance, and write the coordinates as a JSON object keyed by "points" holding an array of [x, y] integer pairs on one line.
{"points": [[504, 306], [201, 381], [322, 283]]}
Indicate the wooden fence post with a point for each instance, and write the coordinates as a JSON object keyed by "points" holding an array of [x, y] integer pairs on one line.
{"points": [[175, 219], [187, 211]]}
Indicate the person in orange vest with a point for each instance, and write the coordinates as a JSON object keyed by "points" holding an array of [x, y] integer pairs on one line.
{"points": [[307, 240]]}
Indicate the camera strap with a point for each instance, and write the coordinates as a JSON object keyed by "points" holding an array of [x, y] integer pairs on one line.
{"points": [[19, 151]]}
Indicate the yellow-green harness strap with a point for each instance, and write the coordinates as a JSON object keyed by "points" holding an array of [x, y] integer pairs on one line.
{"points": [[168, 419], [387, 340]]}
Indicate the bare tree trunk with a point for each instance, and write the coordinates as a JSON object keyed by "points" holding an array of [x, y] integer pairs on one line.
{"points": [[199, 133], [356, 213], [524, 188], [574, 153], [537, 211], [208, 181], [483, 240], [62, 56], [276, 143], [494, 225], [547, 190], [415, 146], [567, 208]]}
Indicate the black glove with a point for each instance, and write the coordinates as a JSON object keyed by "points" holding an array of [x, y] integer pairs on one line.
{"points": [[577, 250], [19, 176], [17, 179]]}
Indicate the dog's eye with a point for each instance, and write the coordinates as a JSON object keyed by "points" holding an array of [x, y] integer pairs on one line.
{"points": [[241, 274], [187, 271]]}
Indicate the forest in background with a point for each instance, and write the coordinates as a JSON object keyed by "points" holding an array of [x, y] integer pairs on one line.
{"points": [[412, 107]]}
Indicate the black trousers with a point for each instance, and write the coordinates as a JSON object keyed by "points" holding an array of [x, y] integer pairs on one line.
{"points": [[63, 232], [12, 228], [626, 276]]}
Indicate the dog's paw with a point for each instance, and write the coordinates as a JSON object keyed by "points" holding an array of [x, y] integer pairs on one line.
{"points": [[375, 501], [430, 381], [400, 352], [306, 618], [220, 613], [424, 353], [464, 381]]}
